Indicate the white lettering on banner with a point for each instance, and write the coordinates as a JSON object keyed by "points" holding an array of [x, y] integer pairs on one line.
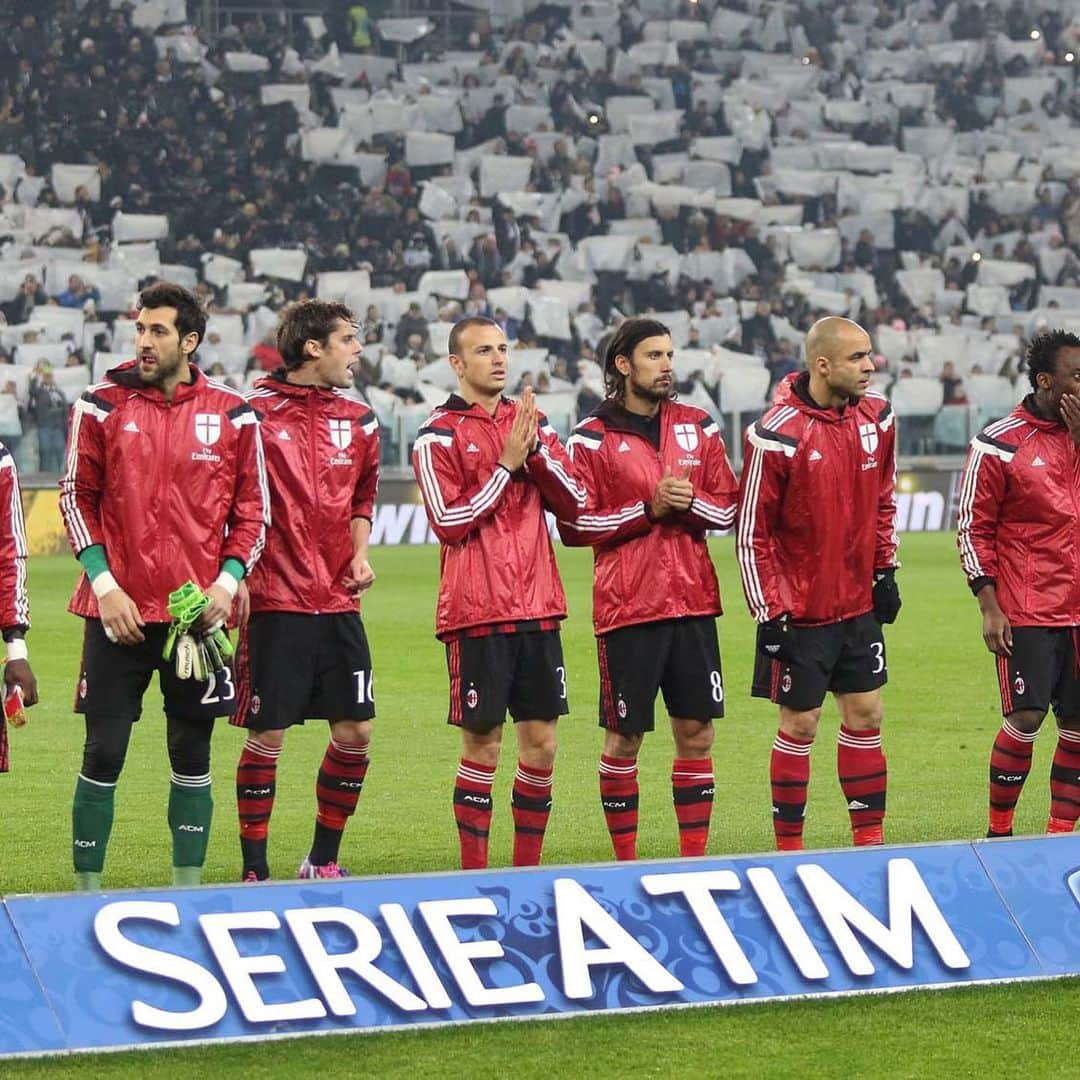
{"points": [[459, 954], [579, 917], [218, 930], [213, 1003], [908, 896], [920, 511], [786, 923], [576, 911], [324, 966], [697, 888], [390, 523]]}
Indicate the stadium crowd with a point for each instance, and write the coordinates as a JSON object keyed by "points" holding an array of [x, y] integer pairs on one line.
{"points": [[737, 171]]}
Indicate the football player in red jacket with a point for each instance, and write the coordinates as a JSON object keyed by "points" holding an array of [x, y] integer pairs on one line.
{"points": [[488, 468], [20, 686], [164, 484], [657, 478], [816, 545], [1018, 531], [304, 652]]}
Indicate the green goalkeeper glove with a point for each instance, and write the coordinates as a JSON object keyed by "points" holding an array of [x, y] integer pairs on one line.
{"points": [[197, 654]]}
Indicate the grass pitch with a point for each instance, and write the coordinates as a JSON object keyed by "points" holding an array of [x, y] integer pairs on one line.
{"points": [[941, 713]]}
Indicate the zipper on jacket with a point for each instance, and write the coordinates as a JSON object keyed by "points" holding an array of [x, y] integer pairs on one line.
{"points": [[312, 406]]}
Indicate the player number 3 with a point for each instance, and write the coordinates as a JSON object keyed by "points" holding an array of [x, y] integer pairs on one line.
{"points": [[878, 648]]}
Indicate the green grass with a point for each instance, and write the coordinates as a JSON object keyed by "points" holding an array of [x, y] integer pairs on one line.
{"points": [[941, 714]]}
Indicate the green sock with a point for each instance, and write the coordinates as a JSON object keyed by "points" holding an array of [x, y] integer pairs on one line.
{"points": [[87, 881], [190, 810], [91, 823]]}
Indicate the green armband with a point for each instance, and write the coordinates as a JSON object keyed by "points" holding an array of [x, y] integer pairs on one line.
{"points": [[92, 559]]}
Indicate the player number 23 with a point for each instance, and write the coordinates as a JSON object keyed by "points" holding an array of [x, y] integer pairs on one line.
{"points": [[219, 691]]}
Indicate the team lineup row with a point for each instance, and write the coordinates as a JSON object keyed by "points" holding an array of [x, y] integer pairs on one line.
{"points": [[265, 501]]}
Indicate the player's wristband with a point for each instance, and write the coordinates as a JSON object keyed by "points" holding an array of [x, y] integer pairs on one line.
{"points": [[226, 581], [103, 584], [16, 650]]}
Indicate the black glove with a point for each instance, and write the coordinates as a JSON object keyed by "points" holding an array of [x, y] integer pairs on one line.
{"points": [[886, 596], [775, 638]]}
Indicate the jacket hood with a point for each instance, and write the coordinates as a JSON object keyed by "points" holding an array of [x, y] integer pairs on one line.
{"points": [[127, 376], [1026, 410], [794, 390]]}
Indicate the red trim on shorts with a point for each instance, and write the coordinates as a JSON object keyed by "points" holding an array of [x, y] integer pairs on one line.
{"points": [[454, 648], [242, 679], [775, 689], [522, 626], [611, 720], [1004, 685]]}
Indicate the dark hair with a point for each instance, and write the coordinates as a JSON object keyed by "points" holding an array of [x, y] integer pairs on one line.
{"points": [[462, 325], [1043, 350], [308, 320], [630, 334], [190, 314]]}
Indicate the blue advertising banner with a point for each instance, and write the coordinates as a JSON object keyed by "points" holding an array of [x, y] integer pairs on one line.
{"points": [[248, 961], [26, 1024]]}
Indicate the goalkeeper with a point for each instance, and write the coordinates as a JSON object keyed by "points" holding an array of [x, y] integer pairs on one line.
{"points": [[164, 484]]}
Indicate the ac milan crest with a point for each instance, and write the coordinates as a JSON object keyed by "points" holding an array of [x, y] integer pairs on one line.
{"points": [[686, 436], [785, 684], [621, 709], [1019, 685], [207, 428], [256, 704], [868, 436], [472, 698], [340, 433]]}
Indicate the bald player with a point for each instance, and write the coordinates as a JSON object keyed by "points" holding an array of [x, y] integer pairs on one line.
{"points": [[817, 552]]}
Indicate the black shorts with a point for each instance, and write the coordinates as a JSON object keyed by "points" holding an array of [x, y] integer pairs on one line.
{"points": [[847, 657], [521, 672], [1041, 672], [113, 679], [304, 667], [678, 657]]}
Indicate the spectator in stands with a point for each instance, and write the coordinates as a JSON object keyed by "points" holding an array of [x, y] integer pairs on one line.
{"points": [[953, 385], [78, 293], [412, 322], [49, 408], [31, 295]]}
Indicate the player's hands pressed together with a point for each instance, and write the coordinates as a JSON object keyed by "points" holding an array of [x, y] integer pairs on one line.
{"points": [[360, 577], [217, 611], [522, 436], [1070, 413], [18, 673], [673, 493], [775, 638], [120, 618]]}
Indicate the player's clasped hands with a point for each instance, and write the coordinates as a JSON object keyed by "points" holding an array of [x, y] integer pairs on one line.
{"points": [[522, 437], [120, 618], [216, 613], [674, 492]]}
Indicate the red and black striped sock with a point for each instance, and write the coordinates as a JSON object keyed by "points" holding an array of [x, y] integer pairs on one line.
{"points": [[472, 812], [256, 774], [530, 802], [860, 764], [337, 790], [1010, 763], [619, 798], [789, 774], [1065, 783], [692, 787]]}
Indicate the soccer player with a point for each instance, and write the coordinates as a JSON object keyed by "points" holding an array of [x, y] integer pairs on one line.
{"points": [[14, 601], [817, 552], [488, 467], [1017, 530], [657, 478], [307, 653], [164, 483]]}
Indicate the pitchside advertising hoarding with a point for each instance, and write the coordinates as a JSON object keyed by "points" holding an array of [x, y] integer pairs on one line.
{"points": [[925, 502], [137, 968]]}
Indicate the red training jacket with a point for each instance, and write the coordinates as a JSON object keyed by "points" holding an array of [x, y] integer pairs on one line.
{"points": [[1019, 518], [817, 510], [171, 489], [14, 599], [322, 462], [497, 563], [645, 571]]}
